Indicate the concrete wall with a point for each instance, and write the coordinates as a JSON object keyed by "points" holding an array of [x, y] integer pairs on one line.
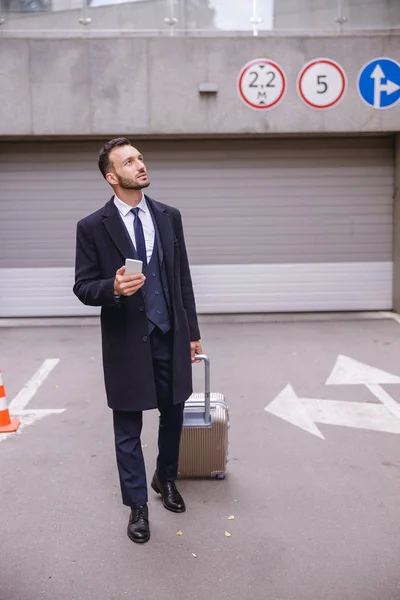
{"points": [[150, 86], [396, 226]]}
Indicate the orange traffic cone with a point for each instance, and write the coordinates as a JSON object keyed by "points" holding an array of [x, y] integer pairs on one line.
{"points": [[7, 425]]}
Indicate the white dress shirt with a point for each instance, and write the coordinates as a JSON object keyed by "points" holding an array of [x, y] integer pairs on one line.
{"points": [[147, 222]]}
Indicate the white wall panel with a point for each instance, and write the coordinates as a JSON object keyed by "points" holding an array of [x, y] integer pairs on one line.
{"points": [[220, 289]]}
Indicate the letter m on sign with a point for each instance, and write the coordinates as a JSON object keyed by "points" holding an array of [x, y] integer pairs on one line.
{"points": [[262, 97]]}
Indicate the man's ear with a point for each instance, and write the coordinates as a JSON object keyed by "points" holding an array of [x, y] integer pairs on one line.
{"points": [[111, 178]]}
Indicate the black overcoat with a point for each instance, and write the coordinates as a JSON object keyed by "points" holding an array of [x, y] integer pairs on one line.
{"points": [[102, 246]]}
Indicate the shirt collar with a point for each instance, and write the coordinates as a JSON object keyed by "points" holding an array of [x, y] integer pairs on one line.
{"points": [[124, 208]]}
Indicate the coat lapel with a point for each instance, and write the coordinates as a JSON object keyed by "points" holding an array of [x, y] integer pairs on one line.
{"points": [[167, 238], [117, 230]]}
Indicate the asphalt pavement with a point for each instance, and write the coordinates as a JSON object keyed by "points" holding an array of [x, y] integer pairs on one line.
{"points": [[315, 516]]}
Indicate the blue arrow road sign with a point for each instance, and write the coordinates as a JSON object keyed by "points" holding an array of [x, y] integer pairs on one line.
{"points": [[379, 83]]}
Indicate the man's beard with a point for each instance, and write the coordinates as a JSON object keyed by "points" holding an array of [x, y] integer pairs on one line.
{"points": [[130, 184]]}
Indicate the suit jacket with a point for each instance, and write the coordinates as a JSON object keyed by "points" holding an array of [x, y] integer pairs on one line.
{"points": [[102, 245]]}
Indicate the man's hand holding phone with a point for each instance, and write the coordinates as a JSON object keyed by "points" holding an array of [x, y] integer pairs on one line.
{"points": [[127, 285]]}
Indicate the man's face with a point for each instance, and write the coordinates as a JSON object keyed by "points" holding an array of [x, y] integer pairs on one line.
{"points": [[129, 171]]}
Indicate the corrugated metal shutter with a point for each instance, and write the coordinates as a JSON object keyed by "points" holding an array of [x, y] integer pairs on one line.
{"points": [[313, 219]]}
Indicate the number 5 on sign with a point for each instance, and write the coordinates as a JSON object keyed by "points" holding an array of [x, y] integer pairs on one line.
{"points": [[321, 83]]}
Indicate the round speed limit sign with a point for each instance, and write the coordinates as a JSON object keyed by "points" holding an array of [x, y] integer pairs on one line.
{"points": [[321, 83], [261, 84]]}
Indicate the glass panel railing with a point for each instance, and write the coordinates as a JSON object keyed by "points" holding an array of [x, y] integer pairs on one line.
{"points": [[375, 14], [38, 16], [197, 17], [339, 15], [135, 15], [303, 15], [181, 16], [248, 15]]}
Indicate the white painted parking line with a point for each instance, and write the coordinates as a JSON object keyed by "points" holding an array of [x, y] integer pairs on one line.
{"points": [[17, 407], [29, 390]]}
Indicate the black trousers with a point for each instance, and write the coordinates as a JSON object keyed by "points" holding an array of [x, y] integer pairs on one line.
{"points": [[128, 428]]}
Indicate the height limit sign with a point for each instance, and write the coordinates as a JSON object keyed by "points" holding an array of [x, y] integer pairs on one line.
{"points": [[321, 83], [261, 84]]}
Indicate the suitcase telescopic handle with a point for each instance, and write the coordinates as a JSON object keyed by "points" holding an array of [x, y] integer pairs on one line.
{"points": [[207, 390]]}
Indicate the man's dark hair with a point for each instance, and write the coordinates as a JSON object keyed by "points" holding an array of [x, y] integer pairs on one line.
{"points": [[105, 165]]}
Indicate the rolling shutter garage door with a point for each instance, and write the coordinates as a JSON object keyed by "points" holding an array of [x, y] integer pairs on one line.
{"points": [[271, 225]]}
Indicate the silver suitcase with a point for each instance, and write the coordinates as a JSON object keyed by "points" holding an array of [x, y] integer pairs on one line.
{"points": [[204, 440]]}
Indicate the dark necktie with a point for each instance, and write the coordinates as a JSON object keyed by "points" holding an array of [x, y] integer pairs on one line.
{"points": [[139, 236]]}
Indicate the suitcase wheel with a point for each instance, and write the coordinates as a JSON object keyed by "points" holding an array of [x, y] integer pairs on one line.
{"points": [[220, 476]]}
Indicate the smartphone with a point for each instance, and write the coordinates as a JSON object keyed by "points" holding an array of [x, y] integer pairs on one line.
{"points": [[132, 266]]}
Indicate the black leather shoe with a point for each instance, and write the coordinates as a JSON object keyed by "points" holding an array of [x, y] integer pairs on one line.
{"points": [[172, 499], [138, 526]]}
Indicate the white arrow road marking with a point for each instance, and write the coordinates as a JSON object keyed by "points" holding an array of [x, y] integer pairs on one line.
{"points": [[30, 389], [305, 412], [381, 394], [348, 371], [17, 406], [389, 87], [287, 406]]}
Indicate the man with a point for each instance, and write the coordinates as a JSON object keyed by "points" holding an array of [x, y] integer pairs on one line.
{"points": [[150, 333]]}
